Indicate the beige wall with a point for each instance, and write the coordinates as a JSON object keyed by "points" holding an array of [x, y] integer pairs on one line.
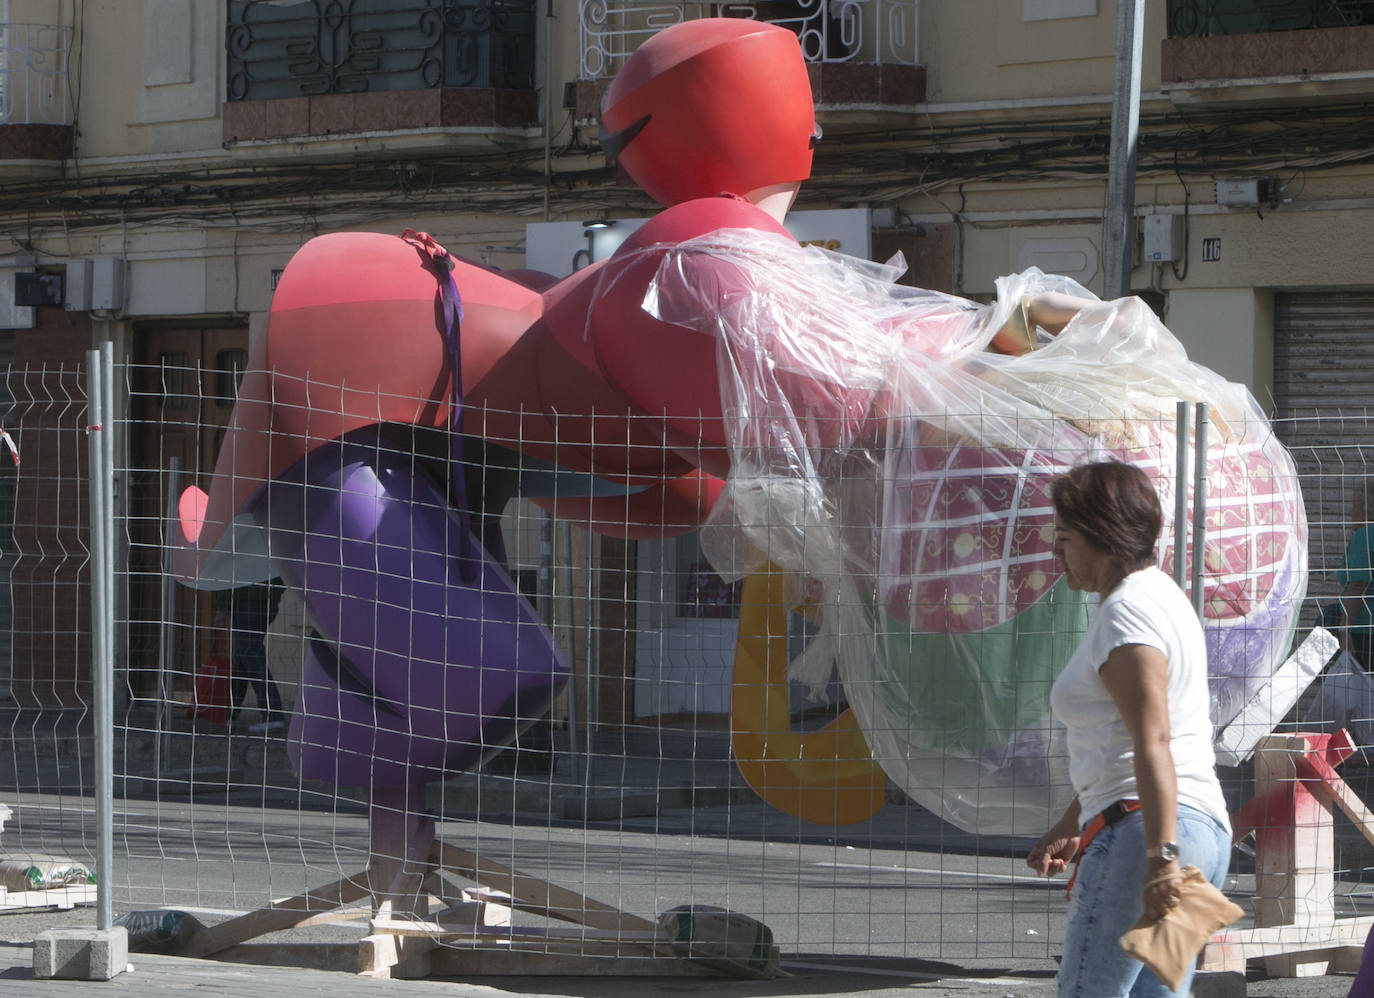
{"points": [[1230, 330], [38, 11], [988, 51], [107, 74], [1300, 245]]}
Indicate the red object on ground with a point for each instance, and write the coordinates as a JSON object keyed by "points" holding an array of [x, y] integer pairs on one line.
{"points": [[212, 698]]}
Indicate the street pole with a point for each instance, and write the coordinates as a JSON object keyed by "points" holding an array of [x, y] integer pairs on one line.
{"points": [[1119, 239]]}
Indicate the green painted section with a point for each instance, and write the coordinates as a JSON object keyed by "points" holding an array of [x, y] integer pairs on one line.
{"points": [[961, 694]]}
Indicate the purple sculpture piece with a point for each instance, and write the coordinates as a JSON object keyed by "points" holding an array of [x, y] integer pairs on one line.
{"points": [[413, 671]]}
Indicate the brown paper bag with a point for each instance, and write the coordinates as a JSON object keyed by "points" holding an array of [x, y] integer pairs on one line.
{"points": [[1170, 945]]}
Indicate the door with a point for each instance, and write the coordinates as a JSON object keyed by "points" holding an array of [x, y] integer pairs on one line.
{"points": [[183, 383]]}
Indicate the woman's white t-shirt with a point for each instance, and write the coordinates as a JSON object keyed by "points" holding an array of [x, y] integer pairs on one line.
{"points": [[1147, 608]]}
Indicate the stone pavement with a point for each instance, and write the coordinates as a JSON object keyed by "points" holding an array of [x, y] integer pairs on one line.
{"points": [[153, 976]]}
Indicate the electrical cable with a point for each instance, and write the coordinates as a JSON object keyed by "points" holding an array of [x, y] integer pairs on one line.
{"points": [[852, 167]]}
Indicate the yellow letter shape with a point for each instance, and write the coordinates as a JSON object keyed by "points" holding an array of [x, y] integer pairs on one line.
{"points": [[826, 776]]}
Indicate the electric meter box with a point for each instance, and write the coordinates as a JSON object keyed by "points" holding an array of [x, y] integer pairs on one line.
{"points": [[1163, 238]]}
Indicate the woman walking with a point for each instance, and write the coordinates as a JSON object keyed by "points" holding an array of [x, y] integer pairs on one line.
{"points": [[1134, 700]]}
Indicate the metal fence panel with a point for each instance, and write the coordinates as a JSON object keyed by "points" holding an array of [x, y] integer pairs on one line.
{"points": [[626, 798]]}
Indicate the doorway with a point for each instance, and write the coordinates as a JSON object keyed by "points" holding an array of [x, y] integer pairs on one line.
{"points": [[182, 382]]}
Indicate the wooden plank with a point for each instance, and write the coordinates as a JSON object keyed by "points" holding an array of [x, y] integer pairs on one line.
{"points": [[536, 933], [386, 954], [1293, 940], [1295, 854], [499, 900], [400, 849], [341, 957], [496, 905], [455, 920], [537, 896], [1327, 786], [277, 916], [562, 941], [1222, 957], [496, 898], [349, 914], [481, 934], [1226, 958]]}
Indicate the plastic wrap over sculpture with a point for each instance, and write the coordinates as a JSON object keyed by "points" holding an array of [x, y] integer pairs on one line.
{"points": [[881, 453]]}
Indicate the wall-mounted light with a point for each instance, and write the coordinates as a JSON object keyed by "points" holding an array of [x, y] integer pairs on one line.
{"points": [[583, 258]]}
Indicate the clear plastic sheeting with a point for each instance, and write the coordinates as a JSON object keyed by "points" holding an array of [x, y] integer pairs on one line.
{"points": [[899, 471]]}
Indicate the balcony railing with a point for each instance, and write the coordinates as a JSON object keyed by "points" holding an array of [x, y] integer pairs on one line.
{"points": [[1198, 18], [855, 31], [314, 47], [33, 74]]}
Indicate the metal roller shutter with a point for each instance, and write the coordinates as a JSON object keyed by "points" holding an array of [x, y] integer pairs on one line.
{"points": [[1324, 401]]}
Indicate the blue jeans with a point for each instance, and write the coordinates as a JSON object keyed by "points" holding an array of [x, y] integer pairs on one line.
{"points": [[1106, 902]]}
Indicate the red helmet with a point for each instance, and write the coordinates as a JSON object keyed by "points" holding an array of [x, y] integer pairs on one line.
{"points": [[712, 106]]}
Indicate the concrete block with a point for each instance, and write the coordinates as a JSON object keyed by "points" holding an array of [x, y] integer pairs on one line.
{"points": [[80, 954], [1218, 984]]}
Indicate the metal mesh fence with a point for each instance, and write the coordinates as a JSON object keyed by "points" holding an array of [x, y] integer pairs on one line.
{"points": [[621, 795]]}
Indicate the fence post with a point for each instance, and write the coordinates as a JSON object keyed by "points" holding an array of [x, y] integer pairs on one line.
{"points": [[1181, 494], [1199, 504], [102, 590], [105, 721]]}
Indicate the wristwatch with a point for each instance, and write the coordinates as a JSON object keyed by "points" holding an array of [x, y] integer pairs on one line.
{"points": [[1167, 851]]}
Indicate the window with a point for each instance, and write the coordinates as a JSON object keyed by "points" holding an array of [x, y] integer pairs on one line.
{"points": [[310, 48]]}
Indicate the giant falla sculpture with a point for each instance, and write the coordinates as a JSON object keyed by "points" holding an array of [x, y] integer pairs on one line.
{"points": [[882, 453]]}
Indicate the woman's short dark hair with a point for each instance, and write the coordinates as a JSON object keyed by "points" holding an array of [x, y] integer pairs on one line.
{"points": [[1114, 506]]}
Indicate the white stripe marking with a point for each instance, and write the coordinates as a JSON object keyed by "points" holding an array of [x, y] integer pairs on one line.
{"points": [[918, 975], [1014, 878]]}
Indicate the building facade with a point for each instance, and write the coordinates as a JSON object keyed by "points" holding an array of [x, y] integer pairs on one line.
{"points": [[161, 160]]}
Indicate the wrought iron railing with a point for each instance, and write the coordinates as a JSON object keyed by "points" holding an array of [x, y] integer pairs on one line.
{"points": [[314, 47], [866, 31], [33, 74], [1195, 18]]}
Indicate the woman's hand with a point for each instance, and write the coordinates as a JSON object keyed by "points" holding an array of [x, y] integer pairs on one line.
{"points": [[1052, 853], [1056, 849], [1163, 884]]}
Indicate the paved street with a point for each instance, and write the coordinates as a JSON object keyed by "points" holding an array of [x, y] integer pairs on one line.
{"points": [[948, 915]]}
